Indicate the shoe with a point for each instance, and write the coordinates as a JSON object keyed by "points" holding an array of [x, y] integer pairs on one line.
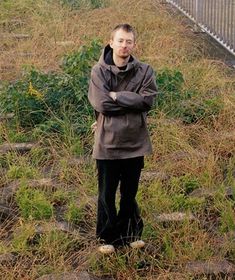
{"points": [[137, 244], [106, 249]]}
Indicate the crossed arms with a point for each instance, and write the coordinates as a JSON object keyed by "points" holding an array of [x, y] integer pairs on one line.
{"points": [[117, 103]]}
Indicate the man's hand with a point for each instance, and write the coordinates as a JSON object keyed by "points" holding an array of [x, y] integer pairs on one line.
{"points": [[113, 95], [94, 126]]}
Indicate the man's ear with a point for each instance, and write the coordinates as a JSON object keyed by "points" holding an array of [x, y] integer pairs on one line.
{"points": [[111, 43]]}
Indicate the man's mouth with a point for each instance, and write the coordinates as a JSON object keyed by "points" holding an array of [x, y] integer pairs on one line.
{"points": [[124, 51]]}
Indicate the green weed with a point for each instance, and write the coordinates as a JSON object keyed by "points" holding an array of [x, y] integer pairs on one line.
{"points": [[39, 156], [18, 136], [3, 248], [54, 245], [227, 217], [181, 202], [61, 196], [22, 237], [183, 184], [17, 172], [44, 269], [33, 203], [74, 214], [230, 172], [2, 132]]}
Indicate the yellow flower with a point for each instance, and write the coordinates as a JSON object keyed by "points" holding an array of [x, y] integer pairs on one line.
{"points": [[32, 91]]}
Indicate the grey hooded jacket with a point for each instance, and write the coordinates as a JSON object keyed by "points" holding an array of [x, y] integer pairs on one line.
{"points": [[121, 124]]}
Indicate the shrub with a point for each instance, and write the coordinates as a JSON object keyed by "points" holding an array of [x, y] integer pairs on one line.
{"points": [[18, 98], [46, 99], [195, 110], [169, 85], [177, 102]]}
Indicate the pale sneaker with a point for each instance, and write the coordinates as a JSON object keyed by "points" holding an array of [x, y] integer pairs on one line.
{"points": [[137, 244], [106, 249]]}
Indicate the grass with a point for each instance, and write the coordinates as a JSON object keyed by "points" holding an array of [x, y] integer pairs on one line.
{"points": [[193, 155]]}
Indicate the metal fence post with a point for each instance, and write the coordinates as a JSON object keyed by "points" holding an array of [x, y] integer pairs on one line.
{"points": [[196, 26], [216, 17]]}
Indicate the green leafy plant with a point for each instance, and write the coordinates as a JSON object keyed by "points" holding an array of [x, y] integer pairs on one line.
{"points": [[169, 85], [195, 110], [177, 102], [49, 100], [170, 80]]}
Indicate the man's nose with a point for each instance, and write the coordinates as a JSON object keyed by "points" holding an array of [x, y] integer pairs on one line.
{"points": [[124, 44]]}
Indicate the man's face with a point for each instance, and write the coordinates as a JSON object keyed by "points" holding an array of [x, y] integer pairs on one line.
{"points": [[122, 43]]}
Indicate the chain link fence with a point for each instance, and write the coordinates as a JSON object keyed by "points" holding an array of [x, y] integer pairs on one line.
{"points": [[215, 17]]}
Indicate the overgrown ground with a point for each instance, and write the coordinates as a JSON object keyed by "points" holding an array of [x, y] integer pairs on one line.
{"points": [[48, 194]]}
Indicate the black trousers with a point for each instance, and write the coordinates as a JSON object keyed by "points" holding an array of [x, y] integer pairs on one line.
{"points": [[123, 226]]}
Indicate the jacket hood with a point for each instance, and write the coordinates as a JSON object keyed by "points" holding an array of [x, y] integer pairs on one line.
{"points": [[133, 62]]}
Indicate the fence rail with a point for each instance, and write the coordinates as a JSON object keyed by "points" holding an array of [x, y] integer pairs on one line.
{"points": [[215, 17]]}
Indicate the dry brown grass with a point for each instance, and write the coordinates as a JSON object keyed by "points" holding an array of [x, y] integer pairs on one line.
{"points": [[157, 41], [204, 150]]}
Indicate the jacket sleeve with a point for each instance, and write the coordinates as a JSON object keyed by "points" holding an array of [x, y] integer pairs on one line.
{"points": [[142, 99], [98, 95]]}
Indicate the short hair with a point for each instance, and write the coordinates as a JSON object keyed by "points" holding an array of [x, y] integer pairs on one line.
{"points": [[124, 26]]}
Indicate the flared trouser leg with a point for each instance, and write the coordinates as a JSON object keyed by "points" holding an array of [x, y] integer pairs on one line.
{"points": [[127, 225], [108, 179], [129, 221]]}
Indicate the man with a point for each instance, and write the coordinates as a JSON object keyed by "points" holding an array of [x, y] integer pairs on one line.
{"points": [[121, 91]]}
